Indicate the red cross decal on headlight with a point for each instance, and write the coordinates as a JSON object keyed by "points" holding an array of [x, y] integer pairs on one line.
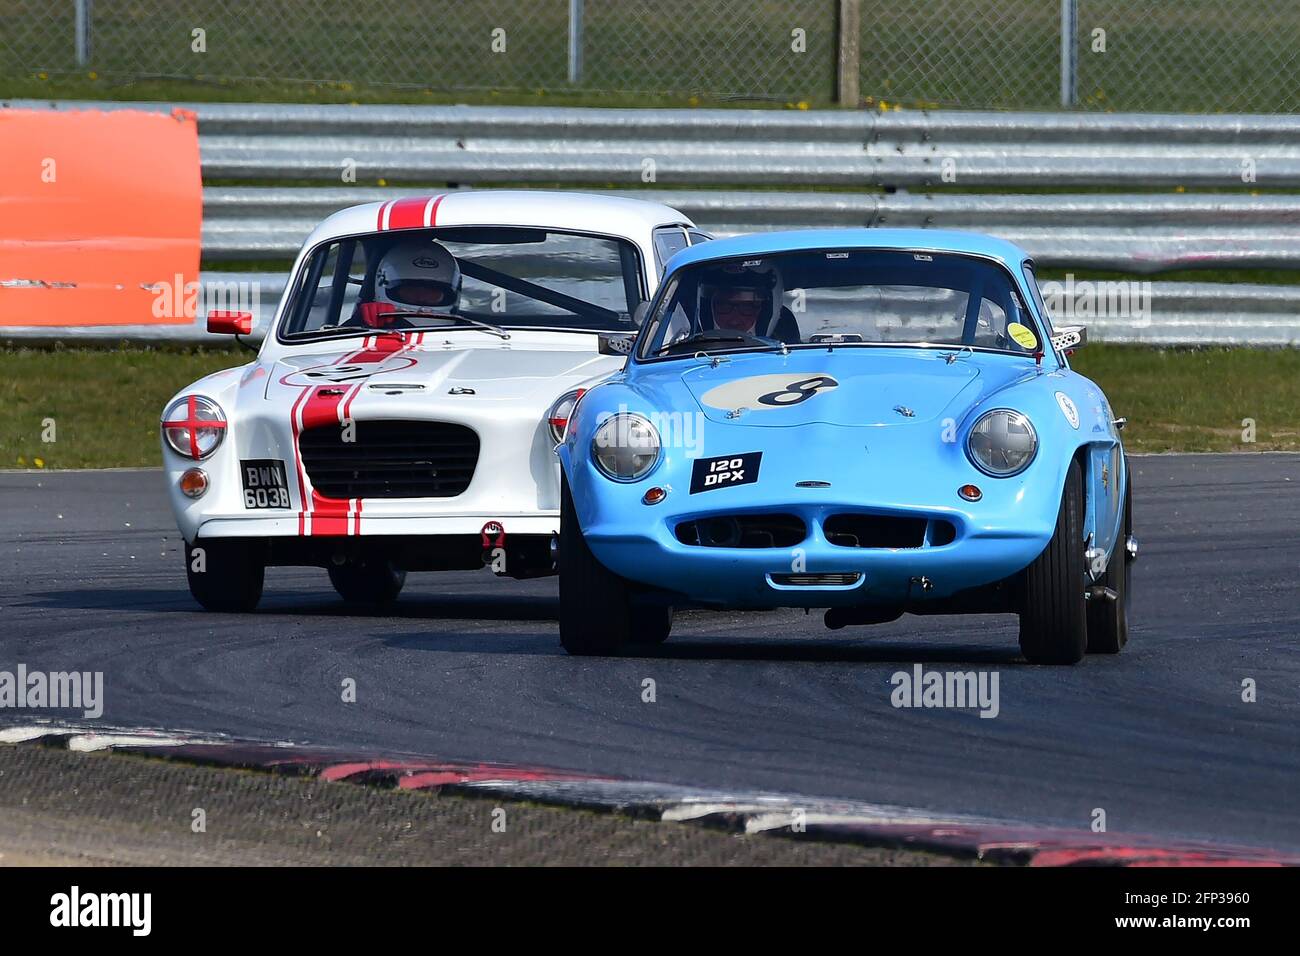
{"points": [[194, 423]]}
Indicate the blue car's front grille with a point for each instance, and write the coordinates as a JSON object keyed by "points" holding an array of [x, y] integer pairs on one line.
{"points": [[743, 531], [887, 531]]}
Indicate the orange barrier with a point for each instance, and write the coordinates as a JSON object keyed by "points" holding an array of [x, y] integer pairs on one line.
{"points": [[100, 217]]}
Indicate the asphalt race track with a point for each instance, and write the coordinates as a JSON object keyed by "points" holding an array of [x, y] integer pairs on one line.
{"points": [[469, 667]]}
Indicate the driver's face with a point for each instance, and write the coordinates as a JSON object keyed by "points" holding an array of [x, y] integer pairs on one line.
{"points": [[736, 310], [416, 293]]}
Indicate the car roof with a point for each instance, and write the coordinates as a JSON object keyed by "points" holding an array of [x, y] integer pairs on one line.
{"points": [[612, 215], [797, 240]]}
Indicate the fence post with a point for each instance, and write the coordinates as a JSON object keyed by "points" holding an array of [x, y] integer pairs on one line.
{"points": [[82, 27], [1069, 53], [575, 41], [849, 66]]}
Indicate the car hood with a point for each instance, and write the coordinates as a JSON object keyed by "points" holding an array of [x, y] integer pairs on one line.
{"points": [[495, 372], [847, 386]]}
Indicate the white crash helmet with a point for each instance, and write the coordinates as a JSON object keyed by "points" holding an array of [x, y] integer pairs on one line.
{"points": [[416, 275]]}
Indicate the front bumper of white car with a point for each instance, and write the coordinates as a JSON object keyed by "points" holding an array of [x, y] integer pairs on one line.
{"points": [[514, 484]]}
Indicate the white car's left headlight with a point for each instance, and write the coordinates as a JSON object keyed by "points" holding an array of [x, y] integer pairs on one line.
{"points": [[194, 426], [1002, 443], [625, 447]]}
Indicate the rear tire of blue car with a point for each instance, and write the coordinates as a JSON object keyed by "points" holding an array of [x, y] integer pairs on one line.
{"points": [[225, 574], [595, 608], [1054, 615], [1108, 620]]}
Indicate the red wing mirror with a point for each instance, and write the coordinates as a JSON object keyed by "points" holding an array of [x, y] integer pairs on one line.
{"points": [[230, 323]]}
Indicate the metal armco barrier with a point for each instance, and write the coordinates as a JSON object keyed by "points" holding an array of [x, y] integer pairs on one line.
{"points": [[647, 153], [1128, 233], [474, 145]]}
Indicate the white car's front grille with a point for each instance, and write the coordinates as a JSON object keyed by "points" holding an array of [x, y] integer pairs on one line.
{"points": [[390, 459]]}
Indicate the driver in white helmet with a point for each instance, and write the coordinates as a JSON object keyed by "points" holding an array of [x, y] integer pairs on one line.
{"points": [[415, 277]]}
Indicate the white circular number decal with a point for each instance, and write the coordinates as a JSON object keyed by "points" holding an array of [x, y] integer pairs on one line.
{"points": [[765, 392]]}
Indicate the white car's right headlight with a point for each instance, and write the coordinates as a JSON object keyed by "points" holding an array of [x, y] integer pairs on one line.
{"points": [[1002, 443], [625, 447], [194, 426]]}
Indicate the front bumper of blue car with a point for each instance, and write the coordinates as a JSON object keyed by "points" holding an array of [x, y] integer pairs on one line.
{"points": [[816, 572], [868, 535]]}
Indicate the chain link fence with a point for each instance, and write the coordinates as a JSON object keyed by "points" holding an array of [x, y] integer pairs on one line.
{"points": [[1174, 55]]}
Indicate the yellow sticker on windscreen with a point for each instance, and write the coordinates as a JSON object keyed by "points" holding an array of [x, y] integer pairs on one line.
{"points": [[1022, 335]]}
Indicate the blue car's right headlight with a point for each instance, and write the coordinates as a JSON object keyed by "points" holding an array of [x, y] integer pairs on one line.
{"points": [[625, 447], [1002, 443]]}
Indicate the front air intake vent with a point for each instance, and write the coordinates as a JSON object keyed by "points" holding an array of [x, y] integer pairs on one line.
{"points": [[390, 459], [743, 531]]}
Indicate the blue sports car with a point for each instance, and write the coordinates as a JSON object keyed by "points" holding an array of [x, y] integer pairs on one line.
{"points": [[868, 421]]}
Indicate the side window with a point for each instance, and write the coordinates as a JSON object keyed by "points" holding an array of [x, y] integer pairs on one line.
{"points": [[698, 236], [330, 286], [669, 240]]}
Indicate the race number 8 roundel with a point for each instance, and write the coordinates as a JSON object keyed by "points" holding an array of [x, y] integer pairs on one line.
{"points": [[766, 392]]}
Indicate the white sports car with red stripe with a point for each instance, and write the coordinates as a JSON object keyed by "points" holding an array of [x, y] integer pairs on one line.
{"points": [[404, 408]]}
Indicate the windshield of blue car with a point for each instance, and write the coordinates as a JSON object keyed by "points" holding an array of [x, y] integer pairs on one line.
{"points": [[831, 298], [507, 277]]}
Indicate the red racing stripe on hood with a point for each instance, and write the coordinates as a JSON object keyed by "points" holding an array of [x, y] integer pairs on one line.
{"points": [[323, 405]]}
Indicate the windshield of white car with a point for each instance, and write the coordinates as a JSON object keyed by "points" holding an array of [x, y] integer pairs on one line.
{"points": [[841, 298], [503, 277]]}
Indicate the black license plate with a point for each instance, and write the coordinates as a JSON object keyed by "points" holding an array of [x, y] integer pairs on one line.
{"points": [[265, 485], [724, 472]]}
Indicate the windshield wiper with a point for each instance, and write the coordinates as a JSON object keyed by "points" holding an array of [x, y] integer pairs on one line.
{"points": [[713, 336], [475, 323]]}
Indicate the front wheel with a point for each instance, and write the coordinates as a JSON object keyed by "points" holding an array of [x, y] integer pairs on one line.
{"points": [[595, 608], [226, 574], [1053, 615], [375, 582]]}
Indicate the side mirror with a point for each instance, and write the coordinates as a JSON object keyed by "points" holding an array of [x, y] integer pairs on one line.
{"points": [[230, 323], [1069, 338], [615, 344]]}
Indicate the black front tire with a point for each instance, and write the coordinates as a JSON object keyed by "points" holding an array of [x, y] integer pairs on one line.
{"points": [[595, 607], [1053, 615], [376, 582], [226, 575], [1108, 620]]}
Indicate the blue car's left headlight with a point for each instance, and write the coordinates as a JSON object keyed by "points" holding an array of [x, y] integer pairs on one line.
{"points": [[625, 447], [1002, 443]]}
